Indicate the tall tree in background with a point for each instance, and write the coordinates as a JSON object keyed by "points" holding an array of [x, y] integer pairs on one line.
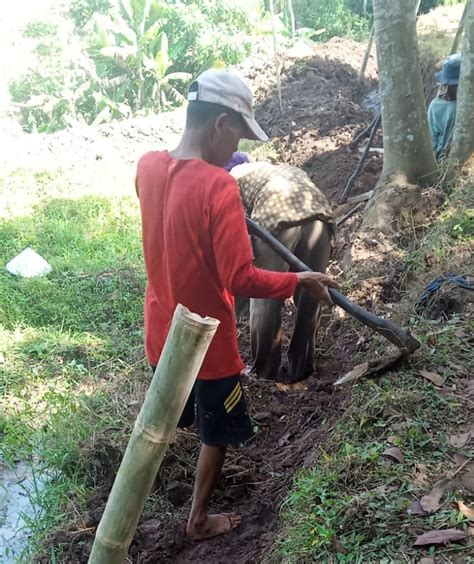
{"points": [[406, 137], [463, 137]]}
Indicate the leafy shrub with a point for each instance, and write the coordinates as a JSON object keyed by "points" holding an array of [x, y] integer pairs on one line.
{"points": [[427, 5], [334, 17], [204, 33], [36, 29], [81, 11]]}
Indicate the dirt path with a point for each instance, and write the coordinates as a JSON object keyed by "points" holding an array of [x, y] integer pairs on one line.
{"points": [[323, 109]]}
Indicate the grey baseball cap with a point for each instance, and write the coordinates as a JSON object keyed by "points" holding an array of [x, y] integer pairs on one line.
{"points": [[227, 89]]}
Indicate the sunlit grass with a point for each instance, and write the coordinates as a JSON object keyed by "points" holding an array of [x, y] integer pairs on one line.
{"points": [[71, 343]]}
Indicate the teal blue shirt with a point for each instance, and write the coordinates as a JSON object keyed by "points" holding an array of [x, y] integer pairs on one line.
{"points": [[441, 117]]}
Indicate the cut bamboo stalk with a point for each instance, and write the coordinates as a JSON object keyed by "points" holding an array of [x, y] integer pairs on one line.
{"points": [[186, 346]]}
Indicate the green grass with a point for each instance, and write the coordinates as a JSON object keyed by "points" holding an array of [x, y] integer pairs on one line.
{"points": [[353, 494], [71, 344]]}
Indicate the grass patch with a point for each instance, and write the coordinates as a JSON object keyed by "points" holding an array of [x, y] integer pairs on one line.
{"points": [[352, 506], [71, 344]]}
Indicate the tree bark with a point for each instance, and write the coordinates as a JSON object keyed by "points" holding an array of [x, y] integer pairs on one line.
{"points": [[406, 138], [462, 148], [185, 348]]}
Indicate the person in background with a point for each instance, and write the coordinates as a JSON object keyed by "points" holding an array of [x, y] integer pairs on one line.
{"points": [[442, 110], [284, 200], [197, 253]]}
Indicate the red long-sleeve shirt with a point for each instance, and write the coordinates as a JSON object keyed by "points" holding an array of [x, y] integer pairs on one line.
{"points": [[197, 253]]}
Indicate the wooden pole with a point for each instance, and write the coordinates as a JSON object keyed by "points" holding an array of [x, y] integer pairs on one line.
{"points": [[366, 56], [457, 37], [275, 53], [186, 346], [292, 18]]}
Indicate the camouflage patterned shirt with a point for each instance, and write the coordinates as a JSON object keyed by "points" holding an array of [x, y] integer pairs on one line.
{"points": [[277, 196]]}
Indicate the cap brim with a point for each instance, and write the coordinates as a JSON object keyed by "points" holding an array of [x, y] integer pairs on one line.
{"points": [[254, 131], [440, 79]]}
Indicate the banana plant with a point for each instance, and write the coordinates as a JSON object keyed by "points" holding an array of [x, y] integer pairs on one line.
{"points": [[130, 51]]}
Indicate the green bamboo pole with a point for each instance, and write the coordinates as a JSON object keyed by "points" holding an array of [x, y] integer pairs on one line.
{"points": [[186, 346]]}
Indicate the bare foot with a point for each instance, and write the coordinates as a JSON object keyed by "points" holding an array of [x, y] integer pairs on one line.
{"points": [[213, 525]]}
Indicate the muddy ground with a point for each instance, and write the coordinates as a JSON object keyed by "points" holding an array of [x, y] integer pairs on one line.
{"points": [[323, 108]]}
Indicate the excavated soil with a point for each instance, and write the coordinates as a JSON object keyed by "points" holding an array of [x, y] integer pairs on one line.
{"points": [[323, 109], [256, 477]]}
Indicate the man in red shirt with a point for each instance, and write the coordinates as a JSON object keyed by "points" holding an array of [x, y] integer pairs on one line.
{"points": [[197, 253]]}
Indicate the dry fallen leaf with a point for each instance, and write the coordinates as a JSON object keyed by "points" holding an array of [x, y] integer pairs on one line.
{"points": [[440, 537], [431, 502], [470, 388], [393, 439], [354, 374], [459, 441], [394, 453], [421, 477], [285, 439], [433, 377], [416, 509], [460, 458], [261, 415], [426, 561], [371, 368], [340, 548], [468, 512]]}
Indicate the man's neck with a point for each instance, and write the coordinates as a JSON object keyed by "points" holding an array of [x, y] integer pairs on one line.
{"points": [[191, 146]]}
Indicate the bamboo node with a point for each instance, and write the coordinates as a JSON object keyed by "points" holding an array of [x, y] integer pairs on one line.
{"points": [[150, 433]]}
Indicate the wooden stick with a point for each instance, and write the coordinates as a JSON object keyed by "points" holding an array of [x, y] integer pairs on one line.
{"points": [[349, 214], [364, 132], [457, 37], [366, 56], [291, 12], [188, 340], [402, 338], [353, 178], [275, 53]]}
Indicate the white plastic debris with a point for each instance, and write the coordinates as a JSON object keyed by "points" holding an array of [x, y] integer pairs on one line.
{"points": [[28, 264]]}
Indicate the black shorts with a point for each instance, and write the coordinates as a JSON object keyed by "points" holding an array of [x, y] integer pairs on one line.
{"points": [[219, 409]]}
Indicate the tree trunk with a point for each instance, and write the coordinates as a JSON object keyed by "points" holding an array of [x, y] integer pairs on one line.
{"points": [[406, 138], [185, 348], [463, 136]]}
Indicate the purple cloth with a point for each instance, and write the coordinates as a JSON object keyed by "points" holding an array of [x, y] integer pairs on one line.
{"points": [[237, 159]]}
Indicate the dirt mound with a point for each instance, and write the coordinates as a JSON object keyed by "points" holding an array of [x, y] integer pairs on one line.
{"points": [[324, 107]]}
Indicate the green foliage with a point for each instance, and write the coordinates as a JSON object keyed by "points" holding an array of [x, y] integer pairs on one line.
{"points": [[81, 11], [37, 29], [353, 495], [427, 5], [132, 59], [335, 18], [139, 55], [206, 33]]}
